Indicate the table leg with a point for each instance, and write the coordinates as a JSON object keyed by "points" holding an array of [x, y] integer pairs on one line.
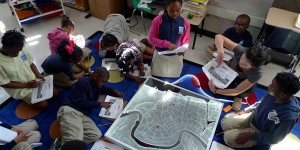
{"points": [[261, 34], [195, 38], [202, 27]]}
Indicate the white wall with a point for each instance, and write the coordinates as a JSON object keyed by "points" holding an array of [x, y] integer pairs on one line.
{"points": [[230, 9]]}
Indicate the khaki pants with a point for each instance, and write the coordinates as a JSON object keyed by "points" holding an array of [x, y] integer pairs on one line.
{"points": [[233, 124], [31, 127], [166, 66], [76, 126]]}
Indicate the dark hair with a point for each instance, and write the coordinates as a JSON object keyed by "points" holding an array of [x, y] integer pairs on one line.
{"points": [[102, 72], [13, 38], [288, 83], [63, 52], [123, 61], [65, 22], [109, 40], [75, 144], [258, 55], [172, 1], [244, 16]]}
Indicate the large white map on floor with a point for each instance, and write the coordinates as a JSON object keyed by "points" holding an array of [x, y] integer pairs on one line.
{"points": [[165, 120]]}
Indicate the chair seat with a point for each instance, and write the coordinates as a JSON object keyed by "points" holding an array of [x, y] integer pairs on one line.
{"points": [[147, 10]]}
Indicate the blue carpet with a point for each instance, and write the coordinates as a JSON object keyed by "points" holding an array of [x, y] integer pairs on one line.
{"points": [[48, 116]]}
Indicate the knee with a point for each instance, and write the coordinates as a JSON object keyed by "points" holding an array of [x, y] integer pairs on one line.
{"points": [[22, 146], [33, 124], [225, 124]]}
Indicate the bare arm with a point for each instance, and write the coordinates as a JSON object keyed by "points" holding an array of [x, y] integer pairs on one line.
{"points": [[36, 71], [78, 75], [220, 42], [20, 85], [242, 87]]}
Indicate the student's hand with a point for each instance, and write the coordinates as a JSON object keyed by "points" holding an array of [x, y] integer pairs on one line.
{"points": [[88, 70], [32, 84], [119, 94], [240, 112], [142, 73], [19, 131], [40, 76], [172, 46], [106, 105], [244, 137], [181, 53], [220, 58], [137, 79], [21, 138], [212, 86]]}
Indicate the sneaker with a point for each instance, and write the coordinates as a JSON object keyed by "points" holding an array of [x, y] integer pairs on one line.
{"points": [[237, 103]]}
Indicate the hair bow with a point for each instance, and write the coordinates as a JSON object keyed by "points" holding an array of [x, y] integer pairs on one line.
{"points": [[70, 47]]}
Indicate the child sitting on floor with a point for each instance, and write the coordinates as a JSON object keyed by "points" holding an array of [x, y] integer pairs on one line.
{"points": [[27, 134], [238, 34], [65, 34], [117, 32], [60, 64], [18, 73], [128, 55], [73, 115]]}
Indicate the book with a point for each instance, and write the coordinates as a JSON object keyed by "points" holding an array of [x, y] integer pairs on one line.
{"points": [[177, 50], [227, 54], [221, 75], [44, 90], [110, 63], [147, 70], [297, 22], [7, 135], [114, 110], [102, 145]]}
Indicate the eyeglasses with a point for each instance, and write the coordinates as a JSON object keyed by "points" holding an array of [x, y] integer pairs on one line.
{"points": [[241, 26]]}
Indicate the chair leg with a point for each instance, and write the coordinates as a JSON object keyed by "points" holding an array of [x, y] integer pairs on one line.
{"points": [[143, 22], [132, 14]]}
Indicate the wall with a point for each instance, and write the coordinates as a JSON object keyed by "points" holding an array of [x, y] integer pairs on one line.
{"points": [[230, 9]]}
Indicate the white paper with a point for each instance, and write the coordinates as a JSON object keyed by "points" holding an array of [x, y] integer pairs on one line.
{"points": [[6, 135], [147, 70], [177, 50], [44, 90], [228, 55], [110, 63], [218, 146], [102, 145], [222, 75], [114, 110]]}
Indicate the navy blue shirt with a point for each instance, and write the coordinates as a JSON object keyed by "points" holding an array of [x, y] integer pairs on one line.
{"points": [[171, 30], [84, 95], [55, 64], [244, 39]]}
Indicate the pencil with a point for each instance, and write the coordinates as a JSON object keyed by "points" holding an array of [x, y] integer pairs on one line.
{"points": [[220, 133], [106, 124]]}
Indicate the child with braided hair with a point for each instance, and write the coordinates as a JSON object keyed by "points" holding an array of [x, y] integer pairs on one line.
{"points": [[127, 56], [60, 64]]}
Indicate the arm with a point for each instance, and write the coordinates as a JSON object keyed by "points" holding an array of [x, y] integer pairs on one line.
{"points": [[220, 42], [154, 33], [78, 75], [109, 91], [276, 135], [36, 71], [242, 87]]}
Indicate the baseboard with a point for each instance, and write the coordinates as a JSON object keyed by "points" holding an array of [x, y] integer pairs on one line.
{"points": [[231, 15]]}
